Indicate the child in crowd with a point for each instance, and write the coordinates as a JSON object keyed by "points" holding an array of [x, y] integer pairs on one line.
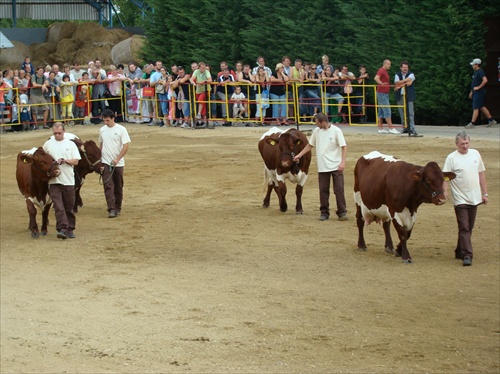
{"points": [[238, 107], [81, 103], [67, 97], [25, 113]]}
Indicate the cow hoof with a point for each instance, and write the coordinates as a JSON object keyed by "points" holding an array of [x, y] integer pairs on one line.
{"points": [[408, 261], [283, 210], [389, 250], [299, 213], [35, 235], [265, 206], [362, 249], [44, 233]]}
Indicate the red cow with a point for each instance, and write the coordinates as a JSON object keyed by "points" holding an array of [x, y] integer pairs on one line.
{"points": [[90, 162], [33, 171], [387, 189], [278, 148]]}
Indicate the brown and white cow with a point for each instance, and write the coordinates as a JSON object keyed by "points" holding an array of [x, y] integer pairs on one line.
{"points": [[34, 169], [278, 148], [90, 161], [387, 189]]}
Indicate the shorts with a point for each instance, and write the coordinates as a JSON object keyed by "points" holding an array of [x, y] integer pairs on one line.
{"points": [[38, 102], [385, 111], [478, 99]]}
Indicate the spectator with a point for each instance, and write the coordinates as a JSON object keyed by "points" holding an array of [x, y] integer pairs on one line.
{"points": [[98, 65], [245, 77], [211, 94], [225, 90], [262, 95], [359, 101], [405, 95], [261, 62], [325, 62], [98, 81], [25, 113], [332, 90], [153, 81], [58, 74], [81, 103], [383, 88], [163, 91], [238, 70], [312, 88], [90, 67], [238, 98], [54, 89], [296, 76], [147, 110], [277, 93], [47, 70], [133, 93], [4, 87], [38, 97], [76, 72], [201, 79], [115, 87], [27, 66], [181, 89], [67, 98]]}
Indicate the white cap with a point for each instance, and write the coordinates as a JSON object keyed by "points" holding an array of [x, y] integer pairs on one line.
{"points": [[476, 61]]}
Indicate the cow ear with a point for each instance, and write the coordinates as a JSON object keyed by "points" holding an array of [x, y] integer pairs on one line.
{"points": [[416, 175], [448, 176], [272, 141]]}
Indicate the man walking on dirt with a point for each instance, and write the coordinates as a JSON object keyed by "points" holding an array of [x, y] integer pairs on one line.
{"points": [[477, 94]]}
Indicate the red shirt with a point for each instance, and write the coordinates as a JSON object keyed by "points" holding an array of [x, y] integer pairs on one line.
{"points": [[384, 78]]}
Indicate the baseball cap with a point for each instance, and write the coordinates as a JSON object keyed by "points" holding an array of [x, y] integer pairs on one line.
{"points": [[476, 61]]}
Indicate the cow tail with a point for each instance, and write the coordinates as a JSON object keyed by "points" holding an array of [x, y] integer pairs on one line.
{"points": [[266, 180]]}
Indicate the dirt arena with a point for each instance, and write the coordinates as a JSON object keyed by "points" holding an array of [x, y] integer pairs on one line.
{"points": [[196, 277]]}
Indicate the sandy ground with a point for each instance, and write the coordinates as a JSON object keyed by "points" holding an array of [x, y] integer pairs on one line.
{"points": [[195, 276]]}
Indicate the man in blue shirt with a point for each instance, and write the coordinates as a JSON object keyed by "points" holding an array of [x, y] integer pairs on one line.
{"points": [[477, 94]]}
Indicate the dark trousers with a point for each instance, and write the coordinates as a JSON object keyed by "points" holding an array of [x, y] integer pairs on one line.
{"points": [[466, 217], [113, 187], [115, 104], [338, 190], [63, 199]]}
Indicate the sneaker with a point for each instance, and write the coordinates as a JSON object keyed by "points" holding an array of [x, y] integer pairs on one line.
{"points": [[216, 123], [323, 217], [467, 261], [383, 131], [162, 124], [405, 131], [112, 213], [491, 123], [343, 217], [185, 125], [198, 116], [470, 126], [62, 235], [71, 235], [413, 133], [394, 131]]}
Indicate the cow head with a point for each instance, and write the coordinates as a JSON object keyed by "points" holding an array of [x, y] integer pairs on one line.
{"points": [[432, 177], [92, 153], [289, 144], [41, 162]]}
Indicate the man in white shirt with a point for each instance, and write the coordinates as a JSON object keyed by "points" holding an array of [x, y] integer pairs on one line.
{"points": [[114, 141], [331, 153], [62, 188], [469, 190]]}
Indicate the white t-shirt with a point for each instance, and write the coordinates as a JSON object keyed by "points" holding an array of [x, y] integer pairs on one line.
{"points": [[465, 187], [328, 144], [63, 149], [113, 139], [240, 96]]}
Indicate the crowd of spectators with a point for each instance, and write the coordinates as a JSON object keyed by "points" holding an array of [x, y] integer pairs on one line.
{"points": [[35, 97]]}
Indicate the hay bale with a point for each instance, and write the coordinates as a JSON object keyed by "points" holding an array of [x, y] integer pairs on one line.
{"points": [[14, 57], [127, 50], [60, 30], [42, 53]]}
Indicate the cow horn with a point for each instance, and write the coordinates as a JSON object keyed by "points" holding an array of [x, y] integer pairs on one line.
{"points": [[82, 148]]}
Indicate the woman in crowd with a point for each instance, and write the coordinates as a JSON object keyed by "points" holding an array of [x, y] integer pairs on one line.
{"points": [[262, 95], [163, 92], [115, 87], [278, 94], [312, 84], [331, 90]]}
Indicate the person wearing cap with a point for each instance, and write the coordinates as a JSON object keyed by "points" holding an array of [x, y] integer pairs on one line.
{"points": [[477, 94], [405, 91]]}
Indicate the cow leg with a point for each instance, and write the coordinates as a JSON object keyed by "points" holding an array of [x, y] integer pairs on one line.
{"points": [[267, 198], [45, 219], [298, 193], [361, 224], [281, 191], [389, 246], [402, 249], [78, 199], [32, 226]]}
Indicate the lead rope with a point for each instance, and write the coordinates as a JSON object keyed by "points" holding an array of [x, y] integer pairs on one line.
{"points": [[112, 169]]}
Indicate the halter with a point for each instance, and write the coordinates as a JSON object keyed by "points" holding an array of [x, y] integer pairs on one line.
{"points": [[43, 171], [87, 158], [433, 193]]}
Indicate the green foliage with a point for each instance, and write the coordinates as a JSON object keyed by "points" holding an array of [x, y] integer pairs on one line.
{"points": [[437, 37]]}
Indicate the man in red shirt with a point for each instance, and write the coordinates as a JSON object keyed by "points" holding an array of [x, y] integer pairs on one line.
{"points": [[383, 88]]}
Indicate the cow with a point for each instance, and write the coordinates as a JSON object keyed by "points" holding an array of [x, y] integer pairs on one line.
{"points": [[34, 169], [278, 148], [387, 189], [90, 162]]}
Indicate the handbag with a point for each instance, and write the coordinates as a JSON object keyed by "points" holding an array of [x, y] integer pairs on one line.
{"points": [[148, 92], [265, 98], [160, 88]]}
